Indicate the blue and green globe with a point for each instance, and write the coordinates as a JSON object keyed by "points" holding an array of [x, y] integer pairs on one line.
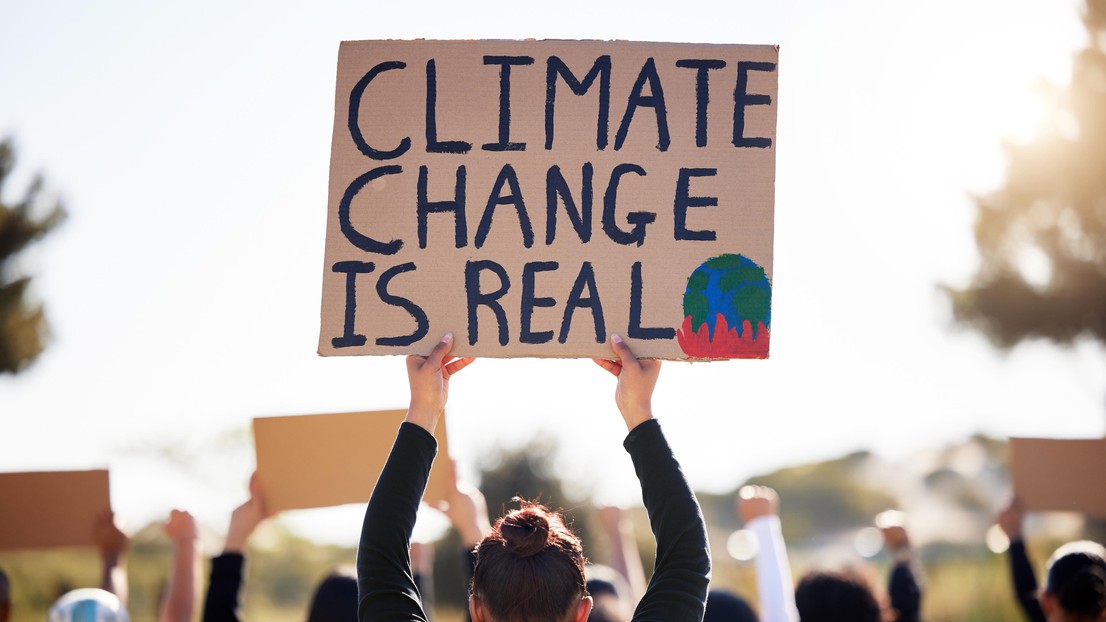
{"points": [[727, 307]]}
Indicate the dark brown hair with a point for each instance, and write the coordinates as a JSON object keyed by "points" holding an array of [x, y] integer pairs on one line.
{"points": [[530, 567]]}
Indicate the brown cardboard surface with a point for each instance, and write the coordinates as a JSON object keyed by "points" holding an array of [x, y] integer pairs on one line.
{"points": [[52, 508], [1060, 474], [385, 293], [315, 461]]}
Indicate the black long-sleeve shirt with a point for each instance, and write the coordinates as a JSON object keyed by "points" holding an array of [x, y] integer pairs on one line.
{"points": [[905, 592], [221, 602], [677, 591], [1025, 582]]}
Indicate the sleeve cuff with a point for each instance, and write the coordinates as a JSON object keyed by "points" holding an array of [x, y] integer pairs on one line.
{"points": [[418, 434], [642, 433]]}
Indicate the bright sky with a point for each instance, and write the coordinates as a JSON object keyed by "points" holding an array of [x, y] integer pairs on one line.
{"points": [[191, 141]]}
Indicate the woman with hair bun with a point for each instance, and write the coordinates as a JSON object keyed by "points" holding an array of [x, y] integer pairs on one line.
{"points": [[530, 567]]}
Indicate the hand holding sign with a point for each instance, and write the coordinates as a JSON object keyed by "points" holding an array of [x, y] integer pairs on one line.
{"points": [[636, 380], [245, 519], [1010, 519], [429, 380]]}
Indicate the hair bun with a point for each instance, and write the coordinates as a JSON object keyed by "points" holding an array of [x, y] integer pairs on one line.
{"points": [[525, 531]]}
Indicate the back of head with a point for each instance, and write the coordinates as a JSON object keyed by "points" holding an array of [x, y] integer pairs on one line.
{"points": [[828, 596], [723, 606], [88, 605], [530, 567], [1077, 580], [610, 595], [335, 598]]}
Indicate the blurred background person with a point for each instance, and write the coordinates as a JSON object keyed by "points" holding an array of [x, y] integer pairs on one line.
{"points": [[334, 598], [836, 596], [108, 603], [183, 591], [758, 507], [723, 606], [904, 585], [1076, 586]]}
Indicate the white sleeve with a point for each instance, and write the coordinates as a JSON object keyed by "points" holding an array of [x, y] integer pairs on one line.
{"points": [[775, 586]]}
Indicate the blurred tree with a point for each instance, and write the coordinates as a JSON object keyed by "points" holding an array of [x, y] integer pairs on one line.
{"points": [[826, 497], [1042, 237], [23, 330]]}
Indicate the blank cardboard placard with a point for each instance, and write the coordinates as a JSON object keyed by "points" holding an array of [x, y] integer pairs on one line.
{"points": [[51, 508], [1060, 474], [315, 461], [533, 197]]}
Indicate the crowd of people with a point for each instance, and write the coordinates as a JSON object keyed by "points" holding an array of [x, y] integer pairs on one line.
{"points": [[529, 566]]}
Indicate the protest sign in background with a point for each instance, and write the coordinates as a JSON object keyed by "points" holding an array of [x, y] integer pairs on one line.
{"points": [[315, 461], [1060, 474], [533, 197], [51, 508]]}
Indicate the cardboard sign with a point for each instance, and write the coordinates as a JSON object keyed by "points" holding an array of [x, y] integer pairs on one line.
{"points": [[51, 509], [1060, 475], [532, 197], [316, 461]]}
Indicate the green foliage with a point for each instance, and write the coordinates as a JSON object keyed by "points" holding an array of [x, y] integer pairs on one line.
{"points": [[22, 323], [1053, 205]]}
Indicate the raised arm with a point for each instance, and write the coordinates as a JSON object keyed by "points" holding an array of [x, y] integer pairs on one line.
{"points": [[619, 532], [113, 544], [904, 585], [180, 598], [221, 602], [386, 583], [1021, 569], [759, 510], [678, 589]]}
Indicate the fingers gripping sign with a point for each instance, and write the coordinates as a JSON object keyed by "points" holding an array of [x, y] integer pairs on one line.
{"points": [[429, 377], [636, 380]]}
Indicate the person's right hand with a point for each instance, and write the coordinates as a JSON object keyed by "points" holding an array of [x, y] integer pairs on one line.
{"points": [[429, 379], [1010, 519], [757, 501], [245, 519], [636, 380]]}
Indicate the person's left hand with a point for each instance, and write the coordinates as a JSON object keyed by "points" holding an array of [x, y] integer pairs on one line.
{"points": [[429, 379]]}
